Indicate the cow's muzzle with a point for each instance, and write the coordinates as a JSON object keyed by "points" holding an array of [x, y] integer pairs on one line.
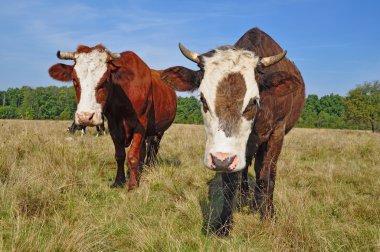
{"points": [[222, 162], [88, 118]]}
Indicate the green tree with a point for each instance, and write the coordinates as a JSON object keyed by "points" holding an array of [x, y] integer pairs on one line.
{"points": [[326, 112], [310, 112], [363, 104], [188, 111], [8, 112]]}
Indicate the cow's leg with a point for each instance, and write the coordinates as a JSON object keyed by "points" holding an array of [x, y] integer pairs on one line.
{"points": [[100, 130], [142, 158], [120, 159], [250, 152], [265, 168], [72, 128], [133, 159], [230, 183], [258, 194], [83, 130], [153, 146], [244, 187], [98, 133], [243, 196], [119, 140]]}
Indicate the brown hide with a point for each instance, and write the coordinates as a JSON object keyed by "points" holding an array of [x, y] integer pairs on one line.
{"points": [[164, 107]]}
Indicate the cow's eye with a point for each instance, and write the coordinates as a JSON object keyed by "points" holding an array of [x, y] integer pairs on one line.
{"points": [[204, 103], [251, 109], [251, 105]]}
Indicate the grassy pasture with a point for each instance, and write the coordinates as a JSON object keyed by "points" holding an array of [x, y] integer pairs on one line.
{"points": [[55, 194]]}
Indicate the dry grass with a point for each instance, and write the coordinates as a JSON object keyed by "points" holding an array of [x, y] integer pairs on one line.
{"points": [[55, 195]]}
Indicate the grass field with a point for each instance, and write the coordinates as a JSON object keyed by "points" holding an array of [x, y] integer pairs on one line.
{"points": [[55, 194]]}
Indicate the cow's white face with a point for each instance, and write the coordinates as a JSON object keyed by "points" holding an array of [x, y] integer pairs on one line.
{"points": [[90, 78], [89, 68], [230, 94]]}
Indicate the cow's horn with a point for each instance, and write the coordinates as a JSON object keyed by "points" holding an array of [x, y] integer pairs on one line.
{"points": [[193, 56], [267, 61], [115, 56], [66, 55]]}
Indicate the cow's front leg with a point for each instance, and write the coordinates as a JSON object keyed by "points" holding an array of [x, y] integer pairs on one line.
{"points": [[265, 180], [230, 183], [264, 197], [120, 159], [133, 160], [118, 138], [265, 168], [244, 186], [243, 195]]}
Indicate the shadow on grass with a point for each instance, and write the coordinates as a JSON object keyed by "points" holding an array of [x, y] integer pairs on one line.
{"points": [[213, 205]]}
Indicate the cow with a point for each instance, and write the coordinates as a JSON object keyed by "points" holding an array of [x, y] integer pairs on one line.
{"points": [[138, 106], [251, 97], [74, 127], [100, 130]]}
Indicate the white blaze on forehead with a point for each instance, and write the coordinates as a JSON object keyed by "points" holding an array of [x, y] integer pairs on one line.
{"points": [[222, 63], [90, 68]]}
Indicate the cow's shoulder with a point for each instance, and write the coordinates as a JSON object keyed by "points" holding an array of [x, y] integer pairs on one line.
{"points": [[279, 84]]}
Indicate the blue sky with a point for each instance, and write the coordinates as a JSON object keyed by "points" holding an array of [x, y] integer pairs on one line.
{"points": [[335, 44]]}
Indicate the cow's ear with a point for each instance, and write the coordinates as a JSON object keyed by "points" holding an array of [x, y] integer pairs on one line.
{"points": [[182, 78], [61, 72]]}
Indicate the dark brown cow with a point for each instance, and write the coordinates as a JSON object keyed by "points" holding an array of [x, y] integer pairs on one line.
{"points": [[250, 100], [139, 107]]}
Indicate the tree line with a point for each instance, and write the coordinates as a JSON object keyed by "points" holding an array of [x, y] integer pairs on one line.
{"points": [[38, 103], [360, 109]]}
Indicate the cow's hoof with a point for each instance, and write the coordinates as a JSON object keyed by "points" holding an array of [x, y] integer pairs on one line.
{"points": [[118, 184], [132, 186]]}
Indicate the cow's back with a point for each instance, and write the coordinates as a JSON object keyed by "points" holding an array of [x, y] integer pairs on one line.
{"points": [[164, 102], [263, 45]]}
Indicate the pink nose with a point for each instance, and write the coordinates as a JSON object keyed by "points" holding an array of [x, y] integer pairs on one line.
{"points": [[220, 161], [85, 118]]}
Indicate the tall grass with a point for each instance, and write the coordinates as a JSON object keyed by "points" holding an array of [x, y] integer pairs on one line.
{"points": [[55, 194]]}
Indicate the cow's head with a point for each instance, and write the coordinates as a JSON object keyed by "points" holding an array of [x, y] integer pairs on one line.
{"points": [[230, 99], [89, 74]]}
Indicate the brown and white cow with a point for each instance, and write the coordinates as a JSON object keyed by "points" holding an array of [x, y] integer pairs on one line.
{"points": [[251, 97], [139, 107]]}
